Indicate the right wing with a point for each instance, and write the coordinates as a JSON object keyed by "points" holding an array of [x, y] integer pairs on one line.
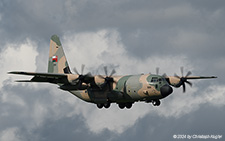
{"points": [[43, 77]]}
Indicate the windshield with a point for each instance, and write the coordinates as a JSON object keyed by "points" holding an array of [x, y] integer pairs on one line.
{"points": [[154, 79]]}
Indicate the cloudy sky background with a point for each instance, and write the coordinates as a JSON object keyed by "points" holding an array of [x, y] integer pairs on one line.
{"points": [[131, 36]]}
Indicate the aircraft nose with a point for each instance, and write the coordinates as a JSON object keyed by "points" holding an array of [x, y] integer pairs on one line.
{"points": [[166, 90]]}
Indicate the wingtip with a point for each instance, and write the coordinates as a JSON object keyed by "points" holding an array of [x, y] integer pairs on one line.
{"points": [[11, 72], [17, 72]]}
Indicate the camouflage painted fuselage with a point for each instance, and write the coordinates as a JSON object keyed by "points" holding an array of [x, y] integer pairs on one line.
{"points": [[130, 88]]}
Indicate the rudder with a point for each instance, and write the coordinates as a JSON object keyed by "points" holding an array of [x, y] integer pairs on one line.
{"points": [[57, 60]]}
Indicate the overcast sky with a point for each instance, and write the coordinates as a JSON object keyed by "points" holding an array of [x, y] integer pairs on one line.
{"points": [[131, 36]]}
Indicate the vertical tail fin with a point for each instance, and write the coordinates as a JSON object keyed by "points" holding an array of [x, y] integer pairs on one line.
{"points": [[57, 60]]}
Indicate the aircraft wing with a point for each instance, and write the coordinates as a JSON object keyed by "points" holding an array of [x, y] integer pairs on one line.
{"points": [[200, 77], [194, 77], [43, 77]]}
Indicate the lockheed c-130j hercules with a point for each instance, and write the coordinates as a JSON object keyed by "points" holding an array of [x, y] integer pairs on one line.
{"points": [[103, 90]]}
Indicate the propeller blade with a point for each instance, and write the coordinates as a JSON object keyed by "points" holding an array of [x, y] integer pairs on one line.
{"points": [[75, 70], [189, 73], [106, 71], [189, 83], [82, 68], [176, 75], [157, 70], [182, 71], [184, 88], [113, 72], [101, 76]]}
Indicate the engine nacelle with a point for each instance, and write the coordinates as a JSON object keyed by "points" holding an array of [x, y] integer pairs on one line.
{"points": [[173, 81]]}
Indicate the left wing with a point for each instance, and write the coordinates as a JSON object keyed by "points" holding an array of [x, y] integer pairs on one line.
{"points": [[177, 81], [200, 77], [43, 77]]}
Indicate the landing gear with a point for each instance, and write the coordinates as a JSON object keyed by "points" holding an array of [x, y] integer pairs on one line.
{"points": [[156, 102], [101, 105], [128, 105], [123, 105], [107, 105]]}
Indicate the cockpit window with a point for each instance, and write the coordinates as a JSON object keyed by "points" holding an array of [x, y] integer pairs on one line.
{"points": [[154, 79]]}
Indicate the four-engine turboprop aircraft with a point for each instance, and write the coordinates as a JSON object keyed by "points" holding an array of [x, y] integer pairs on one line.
{"points": [[104, 90]]}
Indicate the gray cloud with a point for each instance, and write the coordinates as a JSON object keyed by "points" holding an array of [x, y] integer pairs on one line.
{"points": [[37, 118], [199, 122], [190, 31]]}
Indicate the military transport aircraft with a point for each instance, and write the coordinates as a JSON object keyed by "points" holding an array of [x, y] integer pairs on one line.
{"points": [[103, 90]]}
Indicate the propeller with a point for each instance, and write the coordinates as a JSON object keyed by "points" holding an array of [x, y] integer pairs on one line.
{"points": [[81, 77], [108, 78], [183, 79], [157, 70]]}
